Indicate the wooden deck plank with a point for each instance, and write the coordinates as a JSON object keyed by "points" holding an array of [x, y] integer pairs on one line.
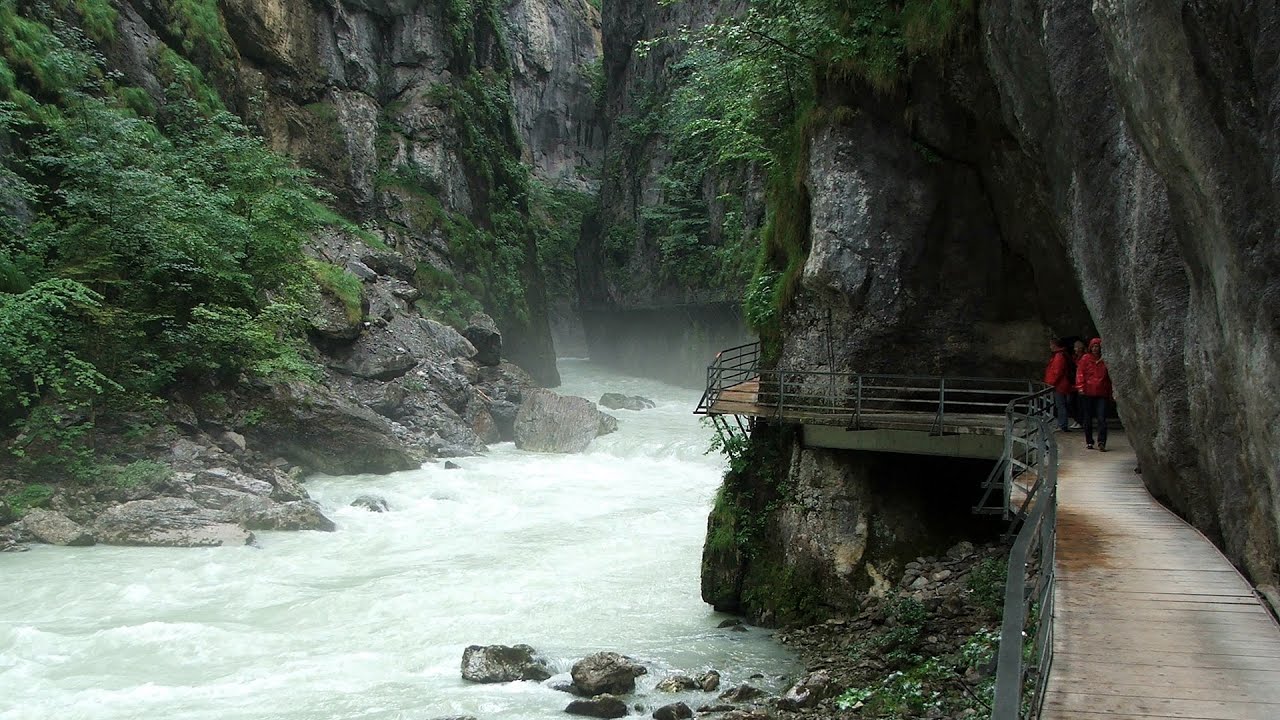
{"points": [[1150, 620]]}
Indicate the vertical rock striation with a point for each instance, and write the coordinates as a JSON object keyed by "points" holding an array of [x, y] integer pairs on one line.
{"points": [[1070, 166]]}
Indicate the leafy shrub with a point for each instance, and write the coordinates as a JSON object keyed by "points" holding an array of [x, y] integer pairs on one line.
{"points": [[32, 496], [986, 582]]}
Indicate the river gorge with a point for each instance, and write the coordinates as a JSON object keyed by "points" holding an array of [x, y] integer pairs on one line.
{"points": [[572, 554]]}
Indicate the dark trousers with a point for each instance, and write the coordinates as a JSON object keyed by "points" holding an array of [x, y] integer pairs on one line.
{"points": [[1060, 404], [1095, 411]]}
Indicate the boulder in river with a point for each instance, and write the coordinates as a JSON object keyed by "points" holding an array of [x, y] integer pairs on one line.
{"points": [[709, 681], [674, 711], [742, 693], [600, 706], [548, 422], [167, 522], [676, 683], [55, 528], [502, 663], [606, 672], [618, 401], [372, 503]]}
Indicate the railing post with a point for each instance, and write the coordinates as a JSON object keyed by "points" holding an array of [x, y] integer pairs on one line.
{"points": [[857, 413]]}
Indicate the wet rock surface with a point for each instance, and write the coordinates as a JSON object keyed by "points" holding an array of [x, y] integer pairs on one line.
{"points": [[600, 706], [502, 663], [606, 672], [619, 401], [547, 422]]}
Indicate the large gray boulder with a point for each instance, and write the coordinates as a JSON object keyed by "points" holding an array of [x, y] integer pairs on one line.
{"points": [[55, 528], [502, 663], [606, 672], [167, 522], [547, 422], [260, 513], [483, 333], [314, 427], [812, 689], [619, 401]]}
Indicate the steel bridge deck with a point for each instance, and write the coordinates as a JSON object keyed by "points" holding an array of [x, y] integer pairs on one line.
{"points": [[1151, 620]]}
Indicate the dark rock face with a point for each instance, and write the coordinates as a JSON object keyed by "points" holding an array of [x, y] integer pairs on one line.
{"points": [[742, 693], [1153, 127], [483, 334], [547, 422], [500, 663], [632, 304], [323, 432], [606, 672]]}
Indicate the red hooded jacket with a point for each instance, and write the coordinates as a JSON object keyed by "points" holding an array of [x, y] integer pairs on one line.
{"points": [[1058, 374], [1092, 378]]}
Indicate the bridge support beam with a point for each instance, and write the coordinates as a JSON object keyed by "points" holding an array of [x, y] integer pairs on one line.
{"points": [[910, 442]]}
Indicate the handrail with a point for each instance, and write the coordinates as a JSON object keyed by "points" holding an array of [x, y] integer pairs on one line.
{"points": [[1033, 550], [1029, 450]]}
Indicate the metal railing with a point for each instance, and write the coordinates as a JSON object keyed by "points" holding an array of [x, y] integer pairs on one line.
{"points": [[736, 384], [1028, 467], [1030, 449]]}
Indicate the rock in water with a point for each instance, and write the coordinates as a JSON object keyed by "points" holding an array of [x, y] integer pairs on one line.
{"points": [[547, 422], [674, 711], [500, 663], [600, 706], [606, 672], [372, 503], [618, 401], [676, 683], [483, 333]]}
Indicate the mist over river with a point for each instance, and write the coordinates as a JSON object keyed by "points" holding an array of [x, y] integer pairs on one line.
{"points": [[571, 554]]}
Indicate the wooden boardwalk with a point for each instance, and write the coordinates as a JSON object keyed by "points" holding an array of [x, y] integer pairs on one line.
{"points": [[1151, 620]]}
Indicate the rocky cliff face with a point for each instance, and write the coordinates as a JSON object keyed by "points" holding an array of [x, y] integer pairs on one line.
{"points": [[1154, 127], [416, 117], [659, 265], [1070, 166]]}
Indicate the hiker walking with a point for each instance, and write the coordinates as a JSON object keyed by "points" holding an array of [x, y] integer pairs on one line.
{"points": [[1058, 374], [1078, 351], [1093, 382]]}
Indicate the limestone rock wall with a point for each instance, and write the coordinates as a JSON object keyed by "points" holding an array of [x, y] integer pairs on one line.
{"points": [[373, 96], [621, 269], [1073, 166], [1155, 127]]}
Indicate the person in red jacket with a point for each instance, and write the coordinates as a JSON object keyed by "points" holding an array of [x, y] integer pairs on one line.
{"points": [[1093, 382], [1058, 374]]}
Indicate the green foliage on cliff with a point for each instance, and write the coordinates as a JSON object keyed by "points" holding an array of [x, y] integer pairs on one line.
{"points": [[146, 245], [752, 89], [558, 214], [342, 285]]}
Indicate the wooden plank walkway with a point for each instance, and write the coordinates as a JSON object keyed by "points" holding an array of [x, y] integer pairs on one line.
{"points": [[1151, 621]]}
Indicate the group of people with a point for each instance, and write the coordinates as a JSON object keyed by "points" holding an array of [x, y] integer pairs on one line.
{"points": [[1081, 388]]}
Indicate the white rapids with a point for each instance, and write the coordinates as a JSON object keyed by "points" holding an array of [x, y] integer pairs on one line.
{"points": [[571, 554]]}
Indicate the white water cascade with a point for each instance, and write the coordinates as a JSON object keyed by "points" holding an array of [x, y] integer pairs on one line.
{"points": [[571, 554]]}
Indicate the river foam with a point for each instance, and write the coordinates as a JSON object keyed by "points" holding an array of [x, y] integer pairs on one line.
{"points": [[569, 553]]}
